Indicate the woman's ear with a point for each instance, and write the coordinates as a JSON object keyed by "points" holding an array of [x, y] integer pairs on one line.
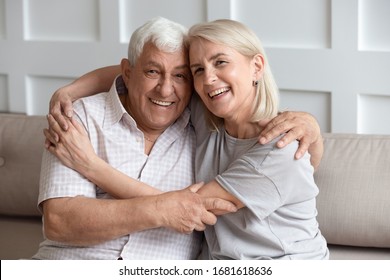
{"points": [[126, 70], [258, 62]]}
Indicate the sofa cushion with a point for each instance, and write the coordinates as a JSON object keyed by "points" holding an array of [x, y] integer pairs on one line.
{"points": [[339, 252], [21, 147], [354, 182], [20, 237]]}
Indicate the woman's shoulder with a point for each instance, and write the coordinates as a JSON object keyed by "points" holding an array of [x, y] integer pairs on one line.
{"points": [[271, 156]]}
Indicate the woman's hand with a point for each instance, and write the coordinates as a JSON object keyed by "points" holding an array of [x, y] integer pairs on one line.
{"points": [[73, 147], [60, 106]]}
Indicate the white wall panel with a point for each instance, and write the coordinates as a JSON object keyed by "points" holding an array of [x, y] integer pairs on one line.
{"points": [[323, 53], [3, 93], [315, 102], [287, 24], [374, 114], [134, 13], [39, 90], [58, 20], [2, 19], [374, 25]]}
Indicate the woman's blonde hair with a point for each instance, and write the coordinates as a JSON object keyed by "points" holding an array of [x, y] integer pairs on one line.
{"points": [[242, 39]]}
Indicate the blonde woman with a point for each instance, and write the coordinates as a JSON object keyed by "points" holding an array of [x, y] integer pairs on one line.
{"points": [[276, 194]]}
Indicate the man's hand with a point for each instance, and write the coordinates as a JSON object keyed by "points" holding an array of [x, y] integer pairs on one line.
{"points": [[186, 211], [299, 126]]}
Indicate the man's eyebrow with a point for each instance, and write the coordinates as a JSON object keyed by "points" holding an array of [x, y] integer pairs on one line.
{"points": [[213, 57], [152, 63], [156, 64]]}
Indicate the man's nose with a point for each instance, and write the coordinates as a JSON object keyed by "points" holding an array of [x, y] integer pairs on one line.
{"points": [[166, 86]]}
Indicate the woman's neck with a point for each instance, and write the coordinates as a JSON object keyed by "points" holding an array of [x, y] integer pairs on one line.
{"points": [[245, 130]]}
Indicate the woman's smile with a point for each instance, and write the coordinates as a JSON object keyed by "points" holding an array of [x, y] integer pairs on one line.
{"points": [[218, 92]]}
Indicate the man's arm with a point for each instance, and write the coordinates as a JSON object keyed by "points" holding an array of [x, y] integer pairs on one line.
{"points": [[299, 126], [87, 221]]}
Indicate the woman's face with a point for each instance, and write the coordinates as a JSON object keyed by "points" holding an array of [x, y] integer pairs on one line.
{"points": [[223, 78]]}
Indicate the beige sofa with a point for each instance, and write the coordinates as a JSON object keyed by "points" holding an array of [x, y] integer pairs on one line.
{"points": [[353, 204]]}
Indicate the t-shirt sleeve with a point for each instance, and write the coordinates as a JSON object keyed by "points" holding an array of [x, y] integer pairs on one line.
{"points": [[253, 188], [264, 184]]}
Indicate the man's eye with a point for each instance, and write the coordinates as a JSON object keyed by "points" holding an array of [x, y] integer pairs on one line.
{"points": [[152, 73]]}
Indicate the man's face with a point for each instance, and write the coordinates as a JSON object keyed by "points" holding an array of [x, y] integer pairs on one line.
{"points": [[159, 88]]}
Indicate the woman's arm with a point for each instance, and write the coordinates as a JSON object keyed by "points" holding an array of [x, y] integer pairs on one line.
{"points": [[94, 82], [75, 151], [214, 189]]}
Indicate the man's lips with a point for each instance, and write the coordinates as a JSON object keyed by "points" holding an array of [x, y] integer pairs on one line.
{"points": [[161, 103]]}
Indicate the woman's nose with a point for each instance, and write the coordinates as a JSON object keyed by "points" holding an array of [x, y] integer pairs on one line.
{"points": [[209, 77]]}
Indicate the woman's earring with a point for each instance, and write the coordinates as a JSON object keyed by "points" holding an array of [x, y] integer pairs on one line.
{"points": [[255, 83]]}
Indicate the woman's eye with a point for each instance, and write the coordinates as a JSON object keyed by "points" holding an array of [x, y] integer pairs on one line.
{"points": [[197, 70]]}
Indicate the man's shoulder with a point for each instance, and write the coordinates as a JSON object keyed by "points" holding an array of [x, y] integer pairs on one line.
{"points": [[91, 107], [92, 101]]}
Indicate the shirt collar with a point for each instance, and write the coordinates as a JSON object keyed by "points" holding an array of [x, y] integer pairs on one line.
{"points": [[114, 108]]}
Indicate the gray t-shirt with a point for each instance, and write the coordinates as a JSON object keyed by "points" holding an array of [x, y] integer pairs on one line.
{"points": [[279, 220]]}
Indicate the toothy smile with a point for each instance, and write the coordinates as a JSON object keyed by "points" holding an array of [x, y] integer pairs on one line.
{"points": [[218, 92], [161, 103]]}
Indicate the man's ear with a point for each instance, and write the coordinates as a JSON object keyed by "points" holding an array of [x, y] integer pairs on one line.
{"points": [[258, 62], [126, 70]]}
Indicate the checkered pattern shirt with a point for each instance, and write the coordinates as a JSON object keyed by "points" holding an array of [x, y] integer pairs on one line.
{"points": [[116, 138]]}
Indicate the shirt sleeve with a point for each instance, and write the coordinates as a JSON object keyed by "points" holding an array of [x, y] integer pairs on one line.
{"points": [[57, 180]]}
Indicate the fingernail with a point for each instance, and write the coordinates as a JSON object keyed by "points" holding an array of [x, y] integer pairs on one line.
{"points": [[69, 114], [263, 140]]}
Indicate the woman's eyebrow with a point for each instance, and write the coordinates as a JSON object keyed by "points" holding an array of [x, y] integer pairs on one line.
{"points": [[213, 57]]}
